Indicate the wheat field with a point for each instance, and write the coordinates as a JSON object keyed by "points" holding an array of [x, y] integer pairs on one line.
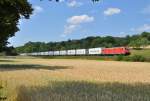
{"points": [[35, 79]]}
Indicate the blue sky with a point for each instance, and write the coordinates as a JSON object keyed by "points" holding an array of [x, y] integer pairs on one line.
{"points": [[75, 19]]}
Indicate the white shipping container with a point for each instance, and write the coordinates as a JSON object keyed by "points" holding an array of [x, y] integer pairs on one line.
{"points": [[45, 53], [42, 53], [23, 54], [34, 54], [56, 52], [81, 52], [64, 52], [71, 52], [94, 51], [50, 53], [39, 53]]}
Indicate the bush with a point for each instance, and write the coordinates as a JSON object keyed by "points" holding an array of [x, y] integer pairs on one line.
{"points": [[2, 54], [119, 58], [138, 58], [134, 58]]}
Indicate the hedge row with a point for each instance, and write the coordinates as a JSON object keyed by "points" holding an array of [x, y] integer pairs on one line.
{"points": [[134, 58]]}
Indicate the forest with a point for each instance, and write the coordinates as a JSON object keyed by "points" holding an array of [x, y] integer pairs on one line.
{"points": [[135, 41]]}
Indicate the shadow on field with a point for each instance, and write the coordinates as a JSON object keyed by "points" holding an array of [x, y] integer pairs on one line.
{"points": [[11, 67], [7, 61], [84, 91]]}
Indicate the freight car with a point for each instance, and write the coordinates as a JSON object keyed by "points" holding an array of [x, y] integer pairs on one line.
{"points": [[90, 51], [63, 52], [71, 52], [56, 53], [81, 52], [95, 51]]}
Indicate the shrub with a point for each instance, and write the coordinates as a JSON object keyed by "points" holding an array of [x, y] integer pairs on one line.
{"points": [[119, 58], [134, 58], [138, 58], [128, 58]]}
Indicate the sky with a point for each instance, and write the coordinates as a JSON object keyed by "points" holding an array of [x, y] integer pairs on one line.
{"points": [[76, 19]]}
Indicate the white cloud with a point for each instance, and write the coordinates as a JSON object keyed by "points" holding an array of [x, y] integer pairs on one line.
{"points": [[61, 0], [75, 21], [74, 3], [146, 10], [70, 28], [37, 9], [80, 19], [112, 11], [145, 27]]}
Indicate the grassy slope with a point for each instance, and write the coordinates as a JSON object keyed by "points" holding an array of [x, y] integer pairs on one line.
{"points": [[145, 53]]}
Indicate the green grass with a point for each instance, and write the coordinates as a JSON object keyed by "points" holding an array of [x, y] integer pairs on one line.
{"points": [[144, 52], [85, 91]]}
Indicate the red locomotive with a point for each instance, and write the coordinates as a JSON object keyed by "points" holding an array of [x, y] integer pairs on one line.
{"points": [[115, 51]]}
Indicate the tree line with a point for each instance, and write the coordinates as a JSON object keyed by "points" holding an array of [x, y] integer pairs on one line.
{"points": [[135, 41]]}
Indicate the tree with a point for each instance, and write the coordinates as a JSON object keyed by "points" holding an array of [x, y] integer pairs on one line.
{"points": [[146, 35], [144, 42], [10, 13], [139, 43]]}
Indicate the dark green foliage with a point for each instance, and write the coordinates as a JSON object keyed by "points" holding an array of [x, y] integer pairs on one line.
{"points": [[146, 35], [70, 44], [8, 51], [138, 58], [135, 58], [10, 13], [89, 42], [119, 58], [139, 43]]}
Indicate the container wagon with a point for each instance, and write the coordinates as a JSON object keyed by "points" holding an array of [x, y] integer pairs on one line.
{"points": [[95, 51], [81, 52], [90, 51], [71, 52]]}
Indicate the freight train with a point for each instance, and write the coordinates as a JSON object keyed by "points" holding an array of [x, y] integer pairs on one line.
{"points": [[76, 52]]}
